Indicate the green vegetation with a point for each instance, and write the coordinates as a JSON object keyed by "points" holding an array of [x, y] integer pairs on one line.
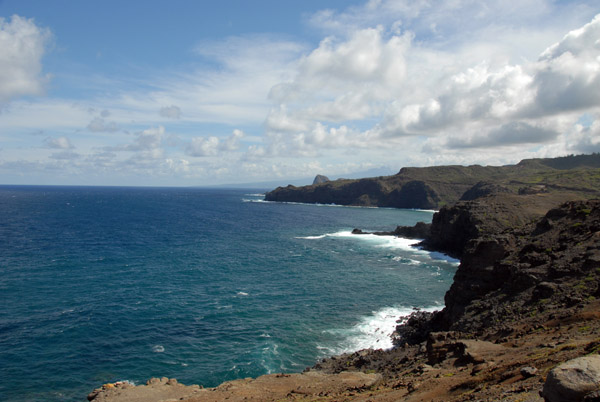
{"points": [[574, 176]]}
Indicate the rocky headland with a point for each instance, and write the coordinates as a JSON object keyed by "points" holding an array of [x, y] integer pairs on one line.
{"points": [[571, 177], [521, 322]]}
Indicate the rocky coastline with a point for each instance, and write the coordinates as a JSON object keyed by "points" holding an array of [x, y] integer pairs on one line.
{"points": [[522, 315]]}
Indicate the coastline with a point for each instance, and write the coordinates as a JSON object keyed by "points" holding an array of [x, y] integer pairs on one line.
{"points": [[468, 350]]}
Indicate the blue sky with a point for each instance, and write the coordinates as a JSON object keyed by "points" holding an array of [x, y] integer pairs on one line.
{"points": [[199, 93]]}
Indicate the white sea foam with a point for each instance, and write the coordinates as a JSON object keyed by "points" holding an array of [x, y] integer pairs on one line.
{"points": [[242, 294], [158, 348], [344, 233], [371, 332], [391, 242], [407, 261]]}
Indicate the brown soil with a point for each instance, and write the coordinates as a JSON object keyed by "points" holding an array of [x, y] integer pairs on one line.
{"points": [[484, 369]]}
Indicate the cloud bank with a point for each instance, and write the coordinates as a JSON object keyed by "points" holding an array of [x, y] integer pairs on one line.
{"points": [[387, 83]]}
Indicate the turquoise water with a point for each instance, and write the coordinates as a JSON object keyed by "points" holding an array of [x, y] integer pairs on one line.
{"points": [[107, 284]]}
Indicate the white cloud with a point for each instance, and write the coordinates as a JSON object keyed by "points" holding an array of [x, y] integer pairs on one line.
{"points": [[585, 139], [58, 143], [99, 125], [213, 146], [391, 82], [23, 45], [171, 112], [507, 134], [148, 140], [568, 76]]}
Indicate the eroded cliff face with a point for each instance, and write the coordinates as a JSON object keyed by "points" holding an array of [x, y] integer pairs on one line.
{"points": [[453, 227], [552, 263], [437, 186]]}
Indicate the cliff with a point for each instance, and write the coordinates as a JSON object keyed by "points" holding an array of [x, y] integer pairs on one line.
{"points": [[434, 187], [549, 264], [525, 298]]}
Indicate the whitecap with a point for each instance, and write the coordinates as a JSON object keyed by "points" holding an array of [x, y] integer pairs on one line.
{"points": [[407, 261], [242, 294], [158, 348], [391, 242], [371, 332], [336, 234]]}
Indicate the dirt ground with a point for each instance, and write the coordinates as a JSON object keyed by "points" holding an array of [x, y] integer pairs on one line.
{"points": [[497, 366]]}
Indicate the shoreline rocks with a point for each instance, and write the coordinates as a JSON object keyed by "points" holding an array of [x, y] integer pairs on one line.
{"points": [[525, 298]]}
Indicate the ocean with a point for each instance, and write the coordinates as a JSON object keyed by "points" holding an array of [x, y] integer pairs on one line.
{"points": [[101, 284]]}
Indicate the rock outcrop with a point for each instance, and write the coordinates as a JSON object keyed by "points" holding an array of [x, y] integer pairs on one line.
{"points": [[508, 273], [438, 186], [320, 179]]}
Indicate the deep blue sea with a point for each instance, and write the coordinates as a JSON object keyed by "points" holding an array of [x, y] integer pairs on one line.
{"points": [[100, 284]]}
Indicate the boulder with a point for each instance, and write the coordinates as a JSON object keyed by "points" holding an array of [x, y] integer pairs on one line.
{"points": [[573, 380]]}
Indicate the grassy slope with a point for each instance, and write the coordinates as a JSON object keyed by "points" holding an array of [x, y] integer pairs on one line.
{"points": [[578, 175]]}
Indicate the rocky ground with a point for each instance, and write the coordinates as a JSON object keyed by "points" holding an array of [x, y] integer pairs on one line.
{"points": [[448, 367], [525, 299]]}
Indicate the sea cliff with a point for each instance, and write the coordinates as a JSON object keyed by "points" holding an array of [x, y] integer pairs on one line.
{"points": [[524, 300], [570, 177]]}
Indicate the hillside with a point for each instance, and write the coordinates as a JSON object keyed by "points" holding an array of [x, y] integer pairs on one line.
{"points": [[576, 177]]}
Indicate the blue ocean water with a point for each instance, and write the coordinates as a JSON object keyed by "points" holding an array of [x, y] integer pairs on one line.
{"points": [[105, 284]]}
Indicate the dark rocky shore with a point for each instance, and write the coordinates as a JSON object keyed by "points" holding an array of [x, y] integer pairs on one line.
{"points": [[524, 301]]}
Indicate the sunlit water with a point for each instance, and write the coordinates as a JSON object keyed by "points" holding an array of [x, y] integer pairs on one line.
{"points": [[107, 284]]}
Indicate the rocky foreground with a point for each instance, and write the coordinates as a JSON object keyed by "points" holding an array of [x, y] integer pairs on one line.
{"points": [[524, 303]]}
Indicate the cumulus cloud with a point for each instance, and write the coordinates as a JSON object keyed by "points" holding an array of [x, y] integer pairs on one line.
{"points": [[390, 70], [399, 82], [171, 112], [100, 125], [213, 146], [507, 134], [568, 72], [364, 57], [585, 139], [565, 78], [146, 146], [58, 143], [23, 45], [148, 140]]}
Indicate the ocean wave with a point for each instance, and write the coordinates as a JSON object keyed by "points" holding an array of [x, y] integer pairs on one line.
{"points": [[371, 332], [391, 242], [316, 204]]}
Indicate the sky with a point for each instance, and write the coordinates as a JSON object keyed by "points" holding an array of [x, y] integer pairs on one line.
{"points": [[193, 93]]}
